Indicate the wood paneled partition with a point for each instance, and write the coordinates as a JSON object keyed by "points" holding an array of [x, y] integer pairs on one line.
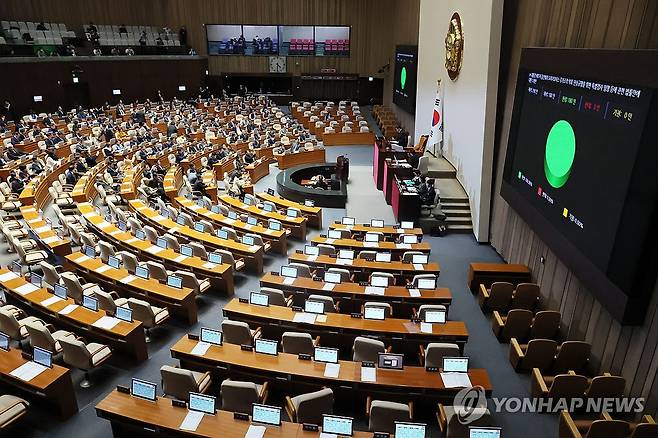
{"points": [[628, 24], [372, 23]]}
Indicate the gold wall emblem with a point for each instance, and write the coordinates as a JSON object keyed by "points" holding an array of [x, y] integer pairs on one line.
{"points": [[454, 46]]}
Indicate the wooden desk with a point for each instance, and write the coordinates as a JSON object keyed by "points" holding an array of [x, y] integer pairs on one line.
{"points": [[178, 301], [357, 245], [286, 161], [314, 214], [341, 329], [406, 205], [229, 360], [131, 176], [221, 276], [126, 337], [363, 268], [348, 138], [353, 295], [277, 239], [253, 254], [131, 415], [258, 169], [172, 182], [47, 235], [381, 151], [36, 191], [488, 273], [296, 225], [390, 231], [85, 189], [53, 386]]}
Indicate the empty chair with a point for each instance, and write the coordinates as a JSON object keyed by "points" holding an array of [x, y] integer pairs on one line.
{"points": [[157, 271], [329, 305], [179, 382], [604, 427], [572, 355], [15, 328], [383, 414], [328, 250], [367, 349], [129, 261], [30, 257], [451, 424], [151, 234], [408, 256], [276, 297], [106, 251], [309, 408], [418, 277], [172, 242], [149, 315], [109, 301], [199, 250], [227, 257], [432, 356], [12, 408], [515, 325], [606, 386], [85, 357], [368, 255], [526, 296], [190, 280], [345, 275], [560, 386], [299, 343], [238, 332], [538, 353], [499, 297], [41, 337], [239, 396], [76, 288], [545, 325], [303, 270], [51, 275]]}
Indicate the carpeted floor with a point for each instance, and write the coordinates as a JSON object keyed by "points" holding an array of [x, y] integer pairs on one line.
{"points": [[453, 252]]}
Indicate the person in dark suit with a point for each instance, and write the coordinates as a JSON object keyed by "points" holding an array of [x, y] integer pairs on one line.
{"points": [[90, 161], [16, 184], [12, 153], [71, 179]]}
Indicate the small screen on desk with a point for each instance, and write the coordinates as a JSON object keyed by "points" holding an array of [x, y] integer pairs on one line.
{"points": [[289, 271], [409, 430], [268, 207], [186, 250], [211, 336], [113, 262], [383, 257], [311, 306], [346, 254], [143, 389], [214, 209], [378, 313], [409, 238], [35, 279], [90, 303], [174, 281], [4, 341], [379, 281], [161, 242], [390, 361], [265, 346], [291, 212], [435, 316], [180, 220], [325, 354], [142, 272], [202, 403], [334, 234], [484, 432], [377, 223], [348, 221], [42, 357], [332, 424], [266, 414], [407, 225], [426, 283], [215, 257], [311, 250], [372, 237], [274, 225], [199, 227], [140, 235], [124, 313], [60, 290], [222, 234], [90, 251], [455, 364], [248, 240], [252, 220], [332, 277], [259, 299], [232, 215], [420, 259]]}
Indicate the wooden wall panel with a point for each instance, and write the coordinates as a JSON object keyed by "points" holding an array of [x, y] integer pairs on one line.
{"points": [[371, 21], [630, 24]]}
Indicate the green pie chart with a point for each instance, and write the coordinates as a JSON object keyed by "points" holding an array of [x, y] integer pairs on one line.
{"points": [[560, 153], [403, 77]]}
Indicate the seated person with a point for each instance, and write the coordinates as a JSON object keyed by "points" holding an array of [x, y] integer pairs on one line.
{"points": [[16, 184], [320, 182], [249, 157], [427, 192]]}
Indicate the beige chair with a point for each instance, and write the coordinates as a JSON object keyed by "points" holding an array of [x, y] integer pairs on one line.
{"points": [[199, 250], [150, 316], [157, 271], [51, 274], [239, 396], [109, 301], [30, 257], [228, 258], [328, 250], [129, 261], [383, 414], [408, 256], [299, 343], [238, 332], [367, 255], [179, 382], [303, 270], [367, 349], [16, 328], [430, 307], [172, 242], [40, 336], [309, 408], [276, 297], [432, 356], [75, 288], [538, 353], [12, 408], [329, 305], [416, 278], [499, 297], [151, 234], [450, 423], [85, 357], [106, 251], [190, 280]]}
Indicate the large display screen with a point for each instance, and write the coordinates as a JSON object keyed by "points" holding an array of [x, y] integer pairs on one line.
{"points": [[578, 131], [255, 40], [404, 80]]}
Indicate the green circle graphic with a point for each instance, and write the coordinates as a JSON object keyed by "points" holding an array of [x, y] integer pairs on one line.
{"points": [[403, 77], [560, 153]]}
